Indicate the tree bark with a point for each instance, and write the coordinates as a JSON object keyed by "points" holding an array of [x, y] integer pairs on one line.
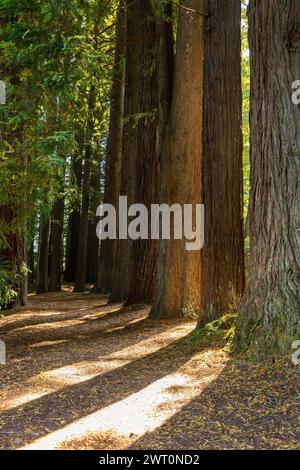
{"points": [[93, 241], [74, 221], [270, 310], [85, 201], [123, 263], [114, 151], [154, 101], [145, 99], [57, 229], [42, 277], [178, 290], [222, 257]]}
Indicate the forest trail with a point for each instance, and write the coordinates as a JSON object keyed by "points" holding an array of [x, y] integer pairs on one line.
{"points": [[85, 375]]}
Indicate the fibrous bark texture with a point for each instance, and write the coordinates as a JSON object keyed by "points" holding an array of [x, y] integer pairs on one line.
{"points": [[114, 151], [222, 257], [270, 311], [178, 290]]}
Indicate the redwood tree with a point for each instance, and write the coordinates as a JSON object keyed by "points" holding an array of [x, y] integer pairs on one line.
{"points": [[57, 229], [80, 273], [270, 310], [114, 150], [135, 266], [178, 290], [74, 216], [91, 266], [43, 255], [154, 103], [222, 257]]}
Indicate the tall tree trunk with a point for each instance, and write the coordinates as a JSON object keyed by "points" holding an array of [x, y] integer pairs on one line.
{"points": [[123, 263], [84, 223], [42, 275], [31, 263], [91, 268], [57, 229], [154, 104], [178, 290], [135, 275], [93, 240], [270, 310], [114, 151], [74, 220], [85, 201], [222, 257]]}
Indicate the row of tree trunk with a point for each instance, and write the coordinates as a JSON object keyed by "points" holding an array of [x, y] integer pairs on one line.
{"points": [[161, 159], [176, 137], [203, 163]]}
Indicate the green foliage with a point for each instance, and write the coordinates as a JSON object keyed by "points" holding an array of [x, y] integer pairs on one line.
{"points": [[7, 281], [145, 118], [51, 54]]}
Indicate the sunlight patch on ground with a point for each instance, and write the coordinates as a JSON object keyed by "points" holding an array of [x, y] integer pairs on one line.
{"points": [[42, 344], [90, 369], [56, 379], [73, 321], [142, 412]]}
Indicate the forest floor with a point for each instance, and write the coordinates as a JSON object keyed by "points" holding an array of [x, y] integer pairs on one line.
{"points": [[81, 374]]}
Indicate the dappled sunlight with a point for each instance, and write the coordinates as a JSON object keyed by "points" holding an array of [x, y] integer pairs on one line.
{"points": [[42, 344], [53, 319], [119, 380], [56, 379], [129, 419]]}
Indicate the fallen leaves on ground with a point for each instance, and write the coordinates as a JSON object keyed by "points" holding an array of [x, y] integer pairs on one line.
{"points": [[82, 374]]}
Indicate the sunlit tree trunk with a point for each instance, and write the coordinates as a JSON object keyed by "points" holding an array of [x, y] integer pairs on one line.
{"points": [[178, 291], [270, 311]]}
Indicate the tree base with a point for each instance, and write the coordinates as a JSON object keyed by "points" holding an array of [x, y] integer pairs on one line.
{"points": [[261, 332]]}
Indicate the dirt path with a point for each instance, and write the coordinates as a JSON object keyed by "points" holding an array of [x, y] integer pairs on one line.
{"points": [[84, 375]]}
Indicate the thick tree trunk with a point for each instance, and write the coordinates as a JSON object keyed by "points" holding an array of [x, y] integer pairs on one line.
{"points": [[123, 263], [270, 311], [222, 257], [85, 201], [178, 290], [135, 275], [154, 103], [42, 275], [74, 222], [114, 151], [57, 229]]}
